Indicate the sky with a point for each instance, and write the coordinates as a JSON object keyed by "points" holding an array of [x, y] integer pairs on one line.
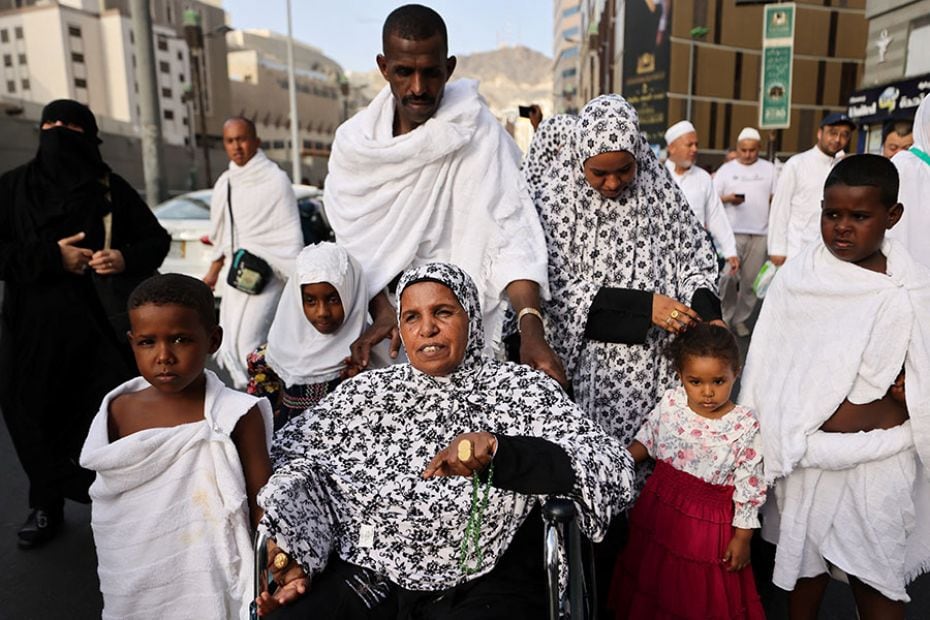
{"points": [[349, 31]]}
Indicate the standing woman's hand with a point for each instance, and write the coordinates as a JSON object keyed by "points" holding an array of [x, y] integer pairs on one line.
{"points": [[74, 259], [108, 262], [672, 315]]}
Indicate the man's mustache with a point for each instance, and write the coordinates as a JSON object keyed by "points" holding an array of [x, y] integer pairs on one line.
{"points": [[414, 99]]}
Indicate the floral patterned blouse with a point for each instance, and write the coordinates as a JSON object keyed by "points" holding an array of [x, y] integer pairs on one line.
{"points": [[725, 451]]}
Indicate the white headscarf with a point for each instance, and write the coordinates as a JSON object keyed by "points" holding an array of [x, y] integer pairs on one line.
{"points": [[297, 352]]}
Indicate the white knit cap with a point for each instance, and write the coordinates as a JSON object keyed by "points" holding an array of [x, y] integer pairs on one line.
{"points": [[678, 130], [749, 133]]}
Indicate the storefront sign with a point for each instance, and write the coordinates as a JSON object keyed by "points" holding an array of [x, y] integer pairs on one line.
{"points": [[891, 101], [645, 64]]}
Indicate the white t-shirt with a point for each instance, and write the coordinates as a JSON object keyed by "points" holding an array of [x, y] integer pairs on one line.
{"points": [[756, 181]]}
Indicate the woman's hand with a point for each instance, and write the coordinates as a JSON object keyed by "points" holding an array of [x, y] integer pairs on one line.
{"points": [[73, 259], [672, 315], [466, 454], [107, 262], [291, 579], [384, 325], [737, 554]]}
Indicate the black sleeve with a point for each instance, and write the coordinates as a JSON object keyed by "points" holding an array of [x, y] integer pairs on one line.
{"points": [[136, 231], [532, 465], [23, 260], [706, 304], [619, 315]]}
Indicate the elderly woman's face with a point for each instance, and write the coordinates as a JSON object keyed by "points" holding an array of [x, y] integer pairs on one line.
{"points": [[610, 173], [434, 327]]}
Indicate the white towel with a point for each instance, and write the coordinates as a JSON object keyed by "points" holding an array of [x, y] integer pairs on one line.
{"points": [[450, 190], [170, 514], [830, 330], [850, 332]]}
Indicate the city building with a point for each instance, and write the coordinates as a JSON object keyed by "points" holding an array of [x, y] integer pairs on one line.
{"points": [[897, 68], [259, 91], [566, 45], [648, 49]]}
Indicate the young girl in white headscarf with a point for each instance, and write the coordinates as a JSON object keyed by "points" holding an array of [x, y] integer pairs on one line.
{"points": [[322, 311]]}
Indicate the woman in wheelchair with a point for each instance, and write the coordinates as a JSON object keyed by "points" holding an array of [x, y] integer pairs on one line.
{"points": [[408, 492]]}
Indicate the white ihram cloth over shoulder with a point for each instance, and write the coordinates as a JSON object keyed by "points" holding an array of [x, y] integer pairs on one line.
{"points": [[647, 239], [170, 513], [267, 223], [353, 463], [450, 190], [914, 192], [297, 352], [830, 330]]}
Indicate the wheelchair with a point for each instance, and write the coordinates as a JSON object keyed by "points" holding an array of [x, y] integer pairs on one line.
{"points": [[562, 539]]}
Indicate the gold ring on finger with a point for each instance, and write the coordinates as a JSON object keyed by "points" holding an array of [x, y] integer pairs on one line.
{"points": [[674, 314], [281, 559], [464, 450]]}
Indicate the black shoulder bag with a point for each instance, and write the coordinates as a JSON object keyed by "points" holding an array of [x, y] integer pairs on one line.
{"points": [[248, 272]]}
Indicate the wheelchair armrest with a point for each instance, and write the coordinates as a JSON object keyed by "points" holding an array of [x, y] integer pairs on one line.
{"points": [[559, 510]]}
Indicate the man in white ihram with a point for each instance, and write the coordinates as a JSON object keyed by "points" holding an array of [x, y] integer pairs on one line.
{"points": [[266, 222], [425, 173], [698, 187]]}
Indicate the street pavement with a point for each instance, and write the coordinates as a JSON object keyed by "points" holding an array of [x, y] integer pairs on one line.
{"points": [[59, 581]]}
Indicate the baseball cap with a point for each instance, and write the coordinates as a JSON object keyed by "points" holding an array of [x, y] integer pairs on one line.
{"points": [[837, 118]]}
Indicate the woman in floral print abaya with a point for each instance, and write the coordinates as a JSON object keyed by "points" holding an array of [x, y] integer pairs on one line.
{"points": [[629, 266], [413, 491]]}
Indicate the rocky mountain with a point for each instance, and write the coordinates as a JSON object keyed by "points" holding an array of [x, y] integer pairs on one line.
{"points": [[509, 77]]}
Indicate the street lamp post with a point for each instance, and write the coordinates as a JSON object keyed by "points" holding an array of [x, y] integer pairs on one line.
{"points": [[292, 96], [193, 34], [698, 32]]}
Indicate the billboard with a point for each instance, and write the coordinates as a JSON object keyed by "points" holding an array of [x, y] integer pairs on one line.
{"points": [[647, 28]]}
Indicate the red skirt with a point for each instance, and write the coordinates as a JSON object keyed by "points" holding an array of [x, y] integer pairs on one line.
{"points": [[671, 567]]}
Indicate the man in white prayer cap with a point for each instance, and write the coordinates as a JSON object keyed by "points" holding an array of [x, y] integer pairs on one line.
{"points": [[745, 186], [795, 218], [698, 187]]}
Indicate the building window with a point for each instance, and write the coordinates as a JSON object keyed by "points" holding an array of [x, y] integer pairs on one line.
{"points": [[166, 93], [163, 44], [164, 67], [572, 10], [79, 57], [180, 55], [22, 59], [569, 73], [74, 31], [181, 78], [80, 83], [132, 37], [277, 144], [25, 84], [169, 115], [4, 36], [7, 60], [572, 32], [185, 121], [18, 32], [11, 86], [918, 48]]}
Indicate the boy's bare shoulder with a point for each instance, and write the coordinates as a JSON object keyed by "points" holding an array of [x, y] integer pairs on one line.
{"points": [[138, 411]]}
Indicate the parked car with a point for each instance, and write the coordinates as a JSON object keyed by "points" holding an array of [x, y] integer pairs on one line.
{"points": [[187, 220]]}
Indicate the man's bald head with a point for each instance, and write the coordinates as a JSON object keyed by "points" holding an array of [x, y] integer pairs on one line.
{"points": [[240, 140]]}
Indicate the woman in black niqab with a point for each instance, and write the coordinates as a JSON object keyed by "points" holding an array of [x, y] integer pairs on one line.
{"points": [[73, 235]]}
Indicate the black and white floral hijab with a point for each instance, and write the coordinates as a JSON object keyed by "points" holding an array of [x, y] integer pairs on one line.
{"points": [[348, 471], [553, 134], [463, 287]]}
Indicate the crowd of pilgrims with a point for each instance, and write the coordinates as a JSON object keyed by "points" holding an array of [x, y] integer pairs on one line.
{"points": [[411, 487]]}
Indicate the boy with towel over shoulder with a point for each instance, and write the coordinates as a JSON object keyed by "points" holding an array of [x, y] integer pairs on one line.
{"points": [[839, 373]]}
